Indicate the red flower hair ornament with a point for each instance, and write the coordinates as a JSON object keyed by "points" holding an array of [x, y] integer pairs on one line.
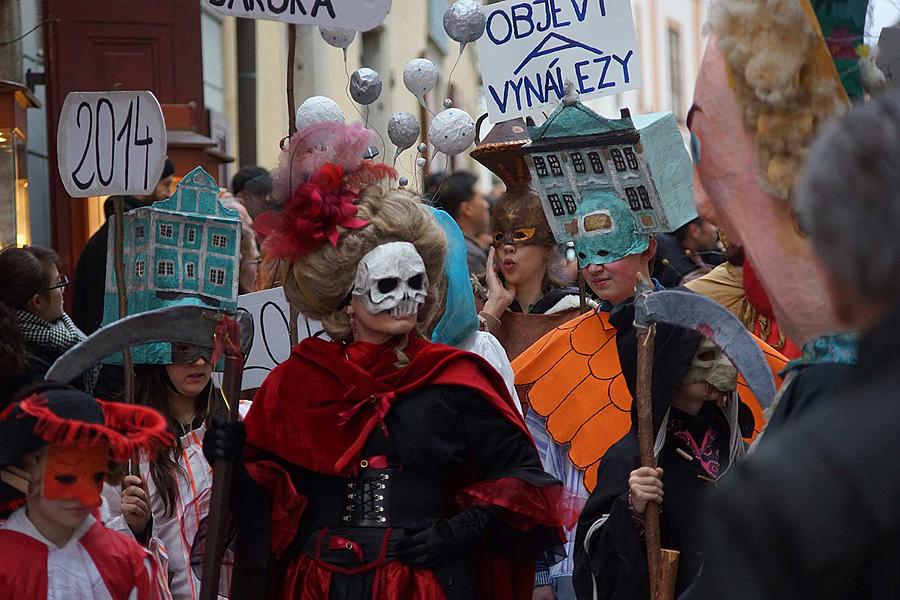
{"points": [[311, 216]]}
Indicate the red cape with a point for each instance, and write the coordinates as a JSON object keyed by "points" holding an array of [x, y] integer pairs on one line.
{"points": [[318, 408], [336, 404]]}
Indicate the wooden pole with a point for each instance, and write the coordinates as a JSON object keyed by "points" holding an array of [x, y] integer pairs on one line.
{"points": [[292, 50], [662, 565], [218, 520], [122, 289]]}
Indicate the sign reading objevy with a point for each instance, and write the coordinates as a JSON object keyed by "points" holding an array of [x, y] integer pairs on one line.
{"points": [[110, 143], [361, 15], [530, 48]]}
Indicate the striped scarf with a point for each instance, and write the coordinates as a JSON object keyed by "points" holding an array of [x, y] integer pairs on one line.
{"points": [[58, 336]]}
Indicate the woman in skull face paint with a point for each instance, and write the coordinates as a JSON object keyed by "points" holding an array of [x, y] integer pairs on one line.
{"points": [[699, 423], [388, 466]]}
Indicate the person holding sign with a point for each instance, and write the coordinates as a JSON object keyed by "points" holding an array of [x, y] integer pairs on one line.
{"points": [[90, 271], [391, 467]]}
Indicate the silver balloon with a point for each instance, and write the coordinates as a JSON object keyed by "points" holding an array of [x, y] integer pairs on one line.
{"points": [[420, 76], [420, 162], [365, 85], [422, 148], [403, 182], [337, 37], [318, 109], [403, 129], [452, 131], [464, 22]]}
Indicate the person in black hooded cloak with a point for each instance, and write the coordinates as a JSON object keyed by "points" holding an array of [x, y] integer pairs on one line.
{"points": [[699, 424]]}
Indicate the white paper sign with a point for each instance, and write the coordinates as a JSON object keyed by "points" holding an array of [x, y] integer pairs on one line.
{"points": [[360, 15], [530, 48], [271, 336], [110, 143]]}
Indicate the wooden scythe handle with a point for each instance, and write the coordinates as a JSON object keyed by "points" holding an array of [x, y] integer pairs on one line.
{"points": [[662, 565]]}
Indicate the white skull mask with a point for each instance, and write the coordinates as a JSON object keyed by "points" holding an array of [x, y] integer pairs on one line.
{"points": [[391, 277]]}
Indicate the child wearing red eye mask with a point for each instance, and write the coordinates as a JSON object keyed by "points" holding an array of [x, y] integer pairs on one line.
{"points": [[55, 451]]}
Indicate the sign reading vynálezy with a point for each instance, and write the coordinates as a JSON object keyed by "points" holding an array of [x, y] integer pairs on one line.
{"points": [[361, 15], [110, 143], [530, 48]]}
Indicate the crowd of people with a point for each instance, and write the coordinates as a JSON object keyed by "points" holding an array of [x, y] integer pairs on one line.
{"points": [[465, 427]]}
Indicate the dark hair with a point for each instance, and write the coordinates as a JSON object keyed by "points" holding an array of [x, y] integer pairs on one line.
{"points": [[255, 179], [452, 191], [153, 388], [682, 231], [24, 272]]}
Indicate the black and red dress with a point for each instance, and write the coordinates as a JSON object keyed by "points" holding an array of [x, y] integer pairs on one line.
{"points": [[420, 482]]}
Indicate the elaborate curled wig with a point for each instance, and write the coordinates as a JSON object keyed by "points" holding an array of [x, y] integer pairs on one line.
{"points": [[318, 282]]}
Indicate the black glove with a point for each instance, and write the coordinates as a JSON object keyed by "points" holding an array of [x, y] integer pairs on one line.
{"points": [[224, 440], [443, 540]]}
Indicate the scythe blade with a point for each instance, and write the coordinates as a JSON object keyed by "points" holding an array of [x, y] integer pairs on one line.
{"points": [[714, 321], [181, 324]]}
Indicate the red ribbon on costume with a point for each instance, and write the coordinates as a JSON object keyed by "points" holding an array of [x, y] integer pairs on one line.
{"points": [[336, 542], [226, 339], [382, 405]]}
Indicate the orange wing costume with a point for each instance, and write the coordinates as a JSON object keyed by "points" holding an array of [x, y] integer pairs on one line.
{"points": [[573, 379]]}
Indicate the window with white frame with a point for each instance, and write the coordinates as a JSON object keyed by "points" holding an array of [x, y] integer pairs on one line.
{"points": [[540, 166], [676, 76], [555, 167], [138, 232], [217, 276], [219, 240], [189, 270], [631, 158], [166, 268], [166, 231], [577, 162], [139, 268], [191, 235], [556, 205], [617, 159], [596, 162], [569, 201]]}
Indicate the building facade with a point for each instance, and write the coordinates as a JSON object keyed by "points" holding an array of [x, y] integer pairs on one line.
{"points": [[223, 84]]}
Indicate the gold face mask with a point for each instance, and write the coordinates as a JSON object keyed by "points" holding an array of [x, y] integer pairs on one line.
{"points": [[516, 237]]}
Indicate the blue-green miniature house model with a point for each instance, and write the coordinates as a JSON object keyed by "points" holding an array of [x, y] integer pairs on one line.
{"points": [[576, 154], [182, 250]]}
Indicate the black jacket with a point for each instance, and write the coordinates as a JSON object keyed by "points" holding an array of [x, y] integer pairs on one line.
{"points": [[814, 514], [89, 281]]}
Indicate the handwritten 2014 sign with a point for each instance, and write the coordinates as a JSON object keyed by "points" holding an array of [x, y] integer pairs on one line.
{"points": [[361, 15], [110, 143], [531, 48], [271, 333]]}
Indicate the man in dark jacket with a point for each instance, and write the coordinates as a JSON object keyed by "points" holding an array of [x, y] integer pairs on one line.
{"points": [[90, 273], [813, 514]]}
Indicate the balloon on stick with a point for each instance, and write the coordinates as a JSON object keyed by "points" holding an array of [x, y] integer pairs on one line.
{"points": [[420, 76], [403, 129], [365, 86], [464, 22], [338, 37], [452, 131], [317, 109]]}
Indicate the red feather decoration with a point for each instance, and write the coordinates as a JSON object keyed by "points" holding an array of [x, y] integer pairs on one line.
{"points": [[311, 216]]}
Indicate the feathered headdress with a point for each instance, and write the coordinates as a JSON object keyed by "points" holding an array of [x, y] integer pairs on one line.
{"points": [[70, 417], [317, 183]]}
